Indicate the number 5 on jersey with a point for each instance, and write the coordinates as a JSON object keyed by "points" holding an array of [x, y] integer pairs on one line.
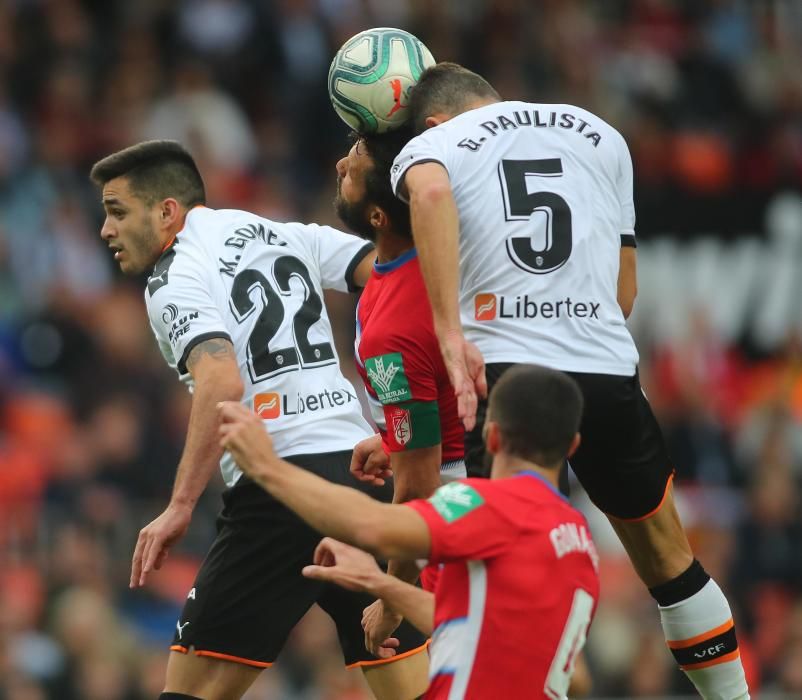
{"points": [[520, 204]]}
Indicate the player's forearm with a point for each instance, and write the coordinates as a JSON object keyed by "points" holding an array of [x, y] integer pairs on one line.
{"points": [[416, 475], [435, 227], [202, 451], [412, 603]]}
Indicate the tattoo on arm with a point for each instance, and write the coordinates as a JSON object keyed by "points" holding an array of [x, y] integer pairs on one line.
{"points": [[216, 348]]}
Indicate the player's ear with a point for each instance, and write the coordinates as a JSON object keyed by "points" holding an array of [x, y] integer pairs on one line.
{"points": [[492, 435], [574, 445], [436, 119], [169, 211], [378, 218]]}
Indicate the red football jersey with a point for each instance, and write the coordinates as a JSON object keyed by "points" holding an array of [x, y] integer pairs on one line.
{"points": [[398, 358], [517, 589]]}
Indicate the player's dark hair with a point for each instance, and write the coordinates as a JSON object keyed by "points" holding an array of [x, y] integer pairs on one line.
{"points": [[449, 88], [383, 148], [155, 170], [538, 411]]}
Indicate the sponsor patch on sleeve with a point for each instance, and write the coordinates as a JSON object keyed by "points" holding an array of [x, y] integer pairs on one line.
{"points": [[387, 377], [413, 425], [455, 500]]}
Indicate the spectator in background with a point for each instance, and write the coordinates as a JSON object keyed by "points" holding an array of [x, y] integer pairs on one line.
{"points": [[79, 79]]}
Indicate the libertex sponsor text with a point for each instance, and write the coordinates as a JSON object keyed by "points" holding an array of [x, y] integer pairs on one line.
{"points": [[272, 405], [489, 307]]}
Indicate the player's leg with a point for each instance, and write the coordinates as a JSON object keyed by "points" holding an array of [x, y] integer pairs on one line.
{"points": [[657, 545], [404, 676], [624, 466], [207, 677], [403, 679], [696, 617], [247, 597]]}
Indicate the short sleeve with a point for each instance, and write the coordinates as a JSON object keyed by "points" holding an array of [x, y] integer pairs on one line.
{"points": [[465, 522], [406, 387], [338, 254], [625, 196], [183, 313], [428, 147]]}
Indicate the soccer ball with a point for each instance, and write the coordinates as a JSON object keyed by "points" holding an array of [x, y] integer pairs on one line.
{"points": [[370, 77]]}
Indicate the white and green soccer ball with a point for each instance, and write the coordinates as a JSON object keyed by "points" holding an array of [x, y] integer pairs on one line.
{"points": [[370, 78]]}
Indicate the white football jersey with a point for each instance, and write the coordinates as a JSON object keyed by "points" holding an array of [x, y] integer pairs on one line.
{"points": [[259, 283], [544, 194]]}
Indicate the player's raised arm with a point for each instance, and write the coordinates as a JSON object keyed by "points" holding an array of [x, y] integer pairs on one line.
{"points": [[388, 531], [214, 369], [435, 227]]}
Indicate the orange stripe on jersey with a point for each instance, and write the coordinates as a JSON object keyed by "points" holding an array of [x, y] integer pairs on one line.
{"points": [[713, 662], [179, 648], [168, 244], [699, 638], [397, 657]]}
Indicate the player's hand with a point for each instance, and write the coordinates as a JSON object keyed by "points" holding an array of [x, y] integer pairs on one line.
{"points": [[370, 463], [344, 565], [155, 540], [379, 623], [243, 434], [476, 369], [466, 370]]}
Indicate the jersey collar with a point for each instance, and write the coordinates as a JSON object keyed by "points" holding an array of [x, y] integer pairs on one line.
{"points": [[529, 472], [384, 268]]}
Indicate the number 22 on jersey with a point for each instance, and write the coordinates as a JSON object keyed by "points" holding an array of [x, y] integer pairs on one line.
{"points": [[265, 361]]}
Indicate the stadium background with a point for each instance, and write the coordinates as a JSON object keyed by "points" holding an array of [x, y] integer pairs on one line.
{"points": [[709, 97]]}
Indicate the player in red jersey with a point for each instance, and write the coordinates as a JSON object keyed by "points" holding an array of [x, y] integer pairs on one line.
{"points": [[397, 353], [519, 582]]}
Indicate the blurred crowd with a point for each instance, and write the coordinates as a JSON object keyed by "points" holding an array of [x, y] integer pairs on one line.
{"points": [[709, 96]]}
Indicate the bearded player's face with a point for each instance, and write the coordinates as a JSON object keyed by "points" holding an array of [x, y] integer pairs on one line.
{"points": [[129, 228], [351, 202]]}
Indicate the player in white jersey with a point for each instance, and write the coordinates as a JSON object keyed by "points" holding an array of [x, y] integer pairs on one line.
{"points": [[235, 302], [524, 223]]}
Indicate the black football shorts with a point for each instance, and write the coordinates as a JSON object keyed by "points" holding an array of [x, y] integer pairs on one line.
{"points": [[622, 461], [250, 593]]}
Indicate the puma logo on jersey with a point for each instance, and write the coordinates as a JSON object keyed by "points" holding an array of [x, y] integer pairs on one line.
{"points": [[180, 628]]}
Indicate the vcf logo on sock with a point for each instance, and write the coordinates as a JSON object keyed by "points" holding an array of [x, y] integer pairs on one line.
{"points": [[485, 306]]}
